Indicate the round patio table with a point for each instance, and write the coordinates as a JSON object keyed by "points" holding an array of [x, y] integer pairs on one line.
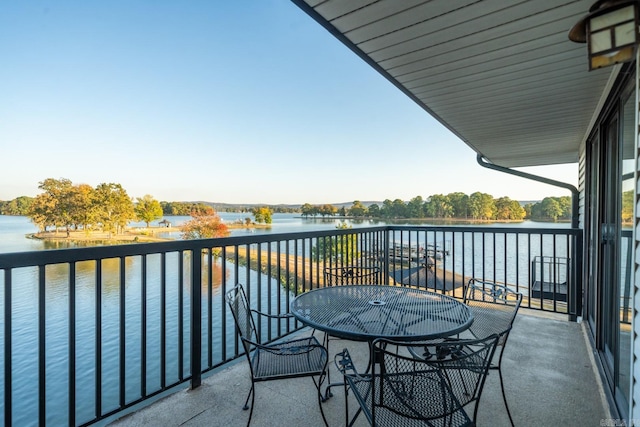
{"points": [[367, 312]]}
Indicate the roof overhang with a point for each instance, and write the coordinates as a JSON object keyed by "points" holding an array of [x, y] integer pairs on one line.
{"points": [[502, 76]]}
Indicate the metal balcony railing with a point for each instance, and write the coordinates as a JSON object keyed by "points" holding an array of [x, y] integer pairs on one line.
{"points": [[91, 332]]}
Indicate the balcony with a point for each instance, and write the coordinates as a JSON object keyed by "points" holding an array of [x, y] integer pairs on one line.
{"points": [[92, 334], [549, 377]]}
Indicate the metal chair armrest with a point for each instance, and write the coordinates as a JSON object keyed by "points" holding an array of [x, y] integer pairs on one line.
{"points": [[286, 351], [345, 366], [273, 316]]}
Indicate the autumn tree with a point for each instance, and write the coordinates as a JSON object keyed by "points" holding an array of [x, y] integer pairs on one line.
{"points": [[308, 209], [83, 207], [627, 206], [262, 215], [327, 210], [148, 209], [55, 204], [204, 226], [41, 211], [507, 209]]}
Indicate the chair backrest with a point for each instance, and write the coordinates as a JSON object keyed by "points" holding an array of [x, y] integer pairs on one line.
{"points": [[449, 377], [351, 275], [494, 308], [245, 325]]}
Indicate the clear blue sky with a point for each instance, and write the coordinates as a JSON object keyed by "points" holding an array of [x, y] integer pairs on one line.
{"points": [[226, 101]]}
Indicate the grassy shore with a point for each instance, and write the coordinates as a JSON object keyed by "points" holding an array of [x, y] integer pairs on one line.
{"points": [[130, 235]]}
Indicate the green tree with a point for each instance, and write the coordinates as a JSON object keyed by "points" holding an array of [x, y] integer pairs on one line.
{"points": [[204, 226], [387, 208], [415, 207], [341, 249], [550, 208], [148, 209], [438, 206], [482, 206], [115, 207], [399, 209], [263, 215], [374, 210], [459, 204], [18, 206], [565, 206], [527, 209], [358, 209], [517, 211]]}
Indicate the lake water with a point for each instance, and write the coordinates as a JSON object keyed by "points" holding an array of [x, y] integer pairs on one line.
{"points": [[25, 324], [14, 229]]}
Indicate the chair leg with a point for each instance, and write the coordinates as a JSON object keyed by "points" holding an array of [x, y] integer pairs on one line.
{"points": [[325, 343], [320, 399], [252, 394], [504, 397], [346, 405]]}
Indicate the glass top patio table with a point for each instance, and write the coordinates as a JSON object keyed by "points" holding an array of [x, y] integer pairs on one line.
{"points": [[367, 312]]}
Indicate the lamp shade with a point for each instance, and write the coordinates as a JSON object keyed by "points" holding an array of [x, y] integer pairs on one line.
{"points": [[610, 31]]}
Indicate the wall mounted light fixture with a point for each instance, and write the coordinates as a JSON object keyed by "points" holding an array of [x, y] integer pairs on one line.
{"points": [[610, 30]]}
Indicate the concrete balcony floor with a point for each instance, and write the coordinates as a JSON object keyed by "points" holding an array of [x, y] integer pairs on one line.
{"points": [[550, 379]]}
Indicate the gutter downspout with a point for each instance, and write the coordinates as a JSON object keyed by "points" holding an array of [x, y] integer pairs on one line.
{"points": [[574, 191]]}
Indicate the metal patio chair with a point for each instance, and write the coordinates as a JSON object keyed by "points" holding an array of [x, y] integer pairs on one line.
{"points": [[303, 357], [494, 308], [404, 390], [349, 275]]}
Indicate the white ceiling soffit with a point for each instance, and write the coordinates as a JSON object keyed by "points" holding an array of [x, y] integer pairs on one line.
{"points": [[501, 75]]}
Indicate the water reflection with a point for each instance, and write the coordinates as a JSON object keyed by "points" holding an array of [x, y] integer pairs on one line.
{"points": [[98, 329]]}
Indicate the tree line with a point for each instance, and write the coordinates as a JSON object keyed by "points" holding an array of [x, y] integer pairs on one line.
{"points": [[108, 206], [477, 206]]}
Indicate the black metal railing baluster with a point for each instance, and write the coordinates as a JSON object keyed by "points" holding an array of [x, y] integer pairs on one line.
{"points": [[223, 303], [123, 333], [143, 327], [98, 344], [210, 307], [42, 345], [196, 319], [163, 320], [72, 345], [181, 315], [8, 350]]}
